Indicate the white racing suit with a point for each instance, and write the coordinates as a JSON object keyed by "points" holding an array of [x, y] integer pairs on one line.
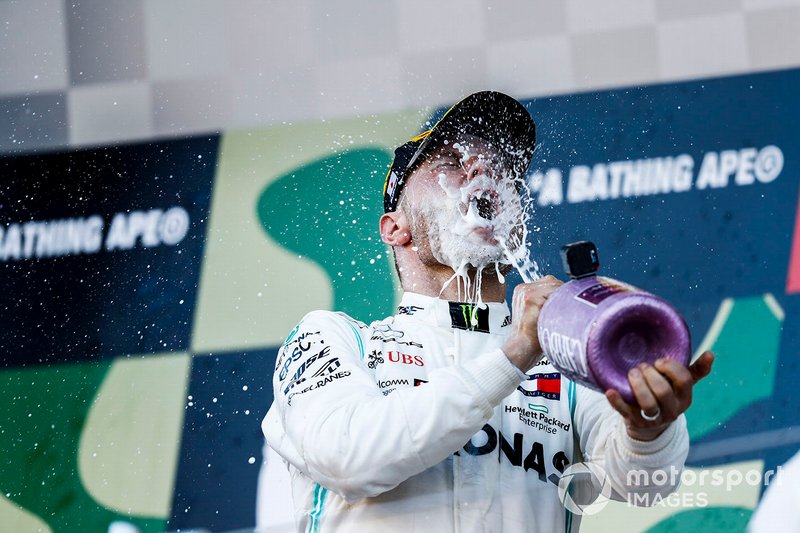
{"points": [[419, 422]]}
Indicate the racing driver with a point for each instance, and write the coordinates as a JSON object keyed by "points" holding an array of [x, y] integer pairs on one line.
{"points": [[446, 416]]}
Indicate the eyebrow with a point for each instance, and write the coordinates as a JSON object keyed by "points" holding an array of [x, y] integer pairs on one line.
{"points": [[446, 150], [491, 153]]}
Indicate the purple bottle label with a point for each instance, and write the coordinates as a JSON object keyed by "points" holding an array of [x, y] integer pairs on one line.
{"points": [[603, 289], [565, 352]]}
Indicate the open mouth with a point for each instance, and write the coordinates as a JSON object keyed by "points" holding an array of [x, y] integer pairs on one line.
{"points": [[485, 208], [484, 204]]}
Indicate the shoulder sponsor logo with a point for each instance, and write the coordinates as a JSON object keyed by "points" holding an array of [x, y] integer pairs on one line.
{"points": [[304, 341], [405, 359], [291, 335], [506, 322], [327, 368], [326, 351], [375, 359], [408, 309], [319, 384], [294, 350], [547, 385], [323, 376]]}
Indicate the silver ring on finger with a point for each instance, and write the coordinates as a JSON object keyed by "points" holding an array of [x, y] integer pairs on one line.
{"points": [[650, 418]]}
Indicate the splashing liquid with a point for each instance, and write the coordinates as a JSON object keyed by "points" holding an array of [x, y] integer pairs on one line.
{"points": [[520, 259], [483, 223]]}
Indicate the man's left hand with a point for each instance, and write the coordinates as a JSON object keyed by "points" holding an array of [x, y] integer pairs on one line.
{"points": [[663, 391]]}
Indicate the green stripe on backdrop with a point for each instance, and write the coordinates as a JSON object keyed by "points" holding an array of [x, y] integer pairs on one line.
{"points": [[40, 431], [743, 327], [282, 240]]}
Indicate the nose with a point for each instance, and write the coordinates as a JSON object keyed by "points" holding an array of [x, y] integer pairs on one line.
{"points": [[477, 166]]}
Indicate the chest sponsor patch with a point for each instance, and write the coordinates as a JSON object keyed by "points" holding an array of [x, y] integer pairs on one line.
{"points": [[375, 358], [523, 450], [469, 317], [389, 385], [295, 349], [538, 419], [545, 385], [405, 359]]}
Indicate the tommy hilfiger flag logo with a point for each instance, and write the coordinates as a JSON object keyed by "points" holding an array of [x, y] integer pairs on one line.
{"points": [[546, 385]]}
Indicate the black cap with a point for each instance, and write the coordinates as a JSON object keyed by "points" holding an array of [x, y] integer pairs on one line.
{"points": [[580, 259], [493, 116]]}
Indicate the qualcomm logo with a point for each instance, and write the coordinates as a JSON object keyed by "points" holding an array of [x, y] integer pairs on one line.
{"points": [[584, 488]]}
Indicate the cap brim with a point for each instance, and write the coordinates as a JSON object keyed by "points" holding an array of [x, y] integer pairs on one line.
{"points": [[490, 115]]}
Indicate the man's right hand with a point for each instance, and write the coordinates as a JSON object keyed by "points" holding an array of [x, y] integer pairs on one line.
{"points": [[522, 347]]}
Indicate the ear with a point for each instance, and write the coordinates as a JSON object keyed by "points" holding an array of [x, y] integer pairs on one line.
{"points": [[395, 230]]}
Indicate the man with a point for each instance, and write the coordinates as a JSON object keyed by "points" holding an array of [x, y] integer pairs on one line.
{"points": [[446, 417]]}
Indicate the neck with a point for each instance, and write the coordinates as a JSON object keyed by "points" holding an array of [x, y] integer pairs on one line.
{"points": [[428, 280]]}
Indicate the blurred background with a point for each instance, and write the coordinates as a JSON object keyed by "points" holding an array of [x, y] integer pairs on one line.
{"points": [[183, 180]]}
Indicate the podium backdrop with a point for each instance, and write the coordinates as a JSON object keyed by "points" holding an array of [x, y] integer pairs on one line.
{"points": [[147, 288]]}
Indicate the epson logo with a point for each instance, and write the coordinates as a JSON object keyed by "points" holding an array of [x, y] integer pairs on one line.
{"points": [[307, 363]]}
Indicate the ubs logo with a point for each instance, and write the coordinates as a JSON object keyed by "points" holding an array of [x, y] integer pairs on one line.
{"points": [[404, 358]]}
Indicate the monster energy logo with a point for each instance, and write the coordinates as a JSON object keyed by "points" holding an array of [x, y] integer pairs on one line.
{"points": [[469, 317], [469, 314]]}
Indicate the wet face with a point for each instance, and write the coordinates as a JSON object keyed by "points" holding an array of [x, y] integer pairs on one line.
{"points": [[463, 206]]}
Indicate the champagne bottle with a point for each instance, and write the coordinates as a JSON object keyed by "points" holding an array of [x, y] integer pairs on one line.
{"points": [[594, 329]]}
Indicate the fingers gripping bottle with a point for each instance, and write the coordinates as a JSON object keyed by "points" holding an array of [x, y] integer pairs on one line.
{"points": [[595, 329]]}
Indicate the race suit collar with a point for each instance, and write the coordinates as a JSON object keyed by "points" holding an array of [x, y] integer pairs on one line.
{"points": [[490, 318]]}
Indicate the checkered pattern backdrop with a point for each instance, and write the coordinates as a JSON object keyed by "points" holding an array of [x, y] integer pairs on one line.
{"points": [[90, 72]]}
